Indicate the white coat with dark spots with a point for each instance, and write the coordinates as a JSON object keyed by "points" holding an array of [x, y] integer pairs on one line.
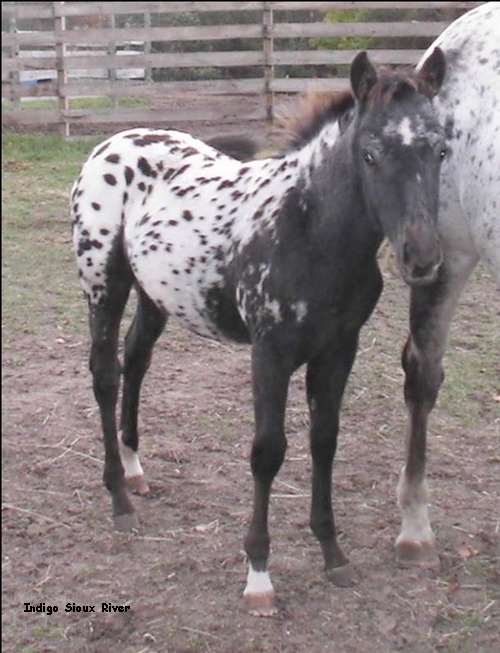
{"points": [[468, 105]]}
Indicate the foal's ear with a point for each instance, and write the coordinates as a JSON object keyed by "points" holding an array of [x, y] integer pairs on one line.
{"points": [[431, 74], [363, 77]]}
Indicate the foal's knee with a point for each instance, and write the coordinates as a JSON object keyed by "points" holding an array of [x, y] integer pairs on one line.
{"points": [[267, 456]]}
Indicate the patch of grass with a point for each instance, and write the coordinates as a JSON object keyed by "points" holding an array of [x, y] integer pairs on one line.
{"points": [[39, 281], [469, 391], [478, 567], [43, 631], [77, 103]]}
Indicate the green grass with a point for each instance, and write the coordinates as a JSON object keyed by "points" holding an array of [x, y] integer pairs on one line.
{"points": [[39, 281], [78, 103]]}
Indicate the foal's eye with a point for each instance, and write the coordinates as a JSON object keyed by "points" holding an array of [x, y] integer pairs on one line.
{"points": [[443, 154], [369, 158]]}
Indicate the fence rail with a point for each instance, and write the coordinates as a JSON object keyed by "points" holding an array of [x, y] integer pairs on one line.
{"points": [[79, 67]]}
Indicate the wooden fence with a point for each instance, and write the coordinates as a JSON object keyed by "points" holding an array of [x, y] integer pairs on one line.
{"points": [[82, 67]]}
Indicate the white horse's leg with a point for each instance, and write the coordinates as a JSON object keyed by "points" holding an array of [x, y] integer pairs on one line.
{"points": [[431, 311]]}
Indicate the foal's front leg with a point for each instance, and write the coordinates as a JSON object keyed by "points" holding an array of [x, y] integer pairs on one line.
{"points": [[431, 311], [326, 378], [270, 378]]}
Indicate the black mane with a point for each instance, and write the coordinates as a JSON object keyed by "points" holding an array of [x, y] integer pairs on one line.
{"points": [[315, 111]]}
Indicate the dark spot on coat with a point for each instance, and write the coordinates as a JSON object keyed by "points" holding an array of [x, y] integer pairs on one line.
{"points": [[145, 168], [129, 175], [110, 179], [189, 151], [182, 191], [150, 139], [85, 244], [227, 183], [101, 150], [180, 170]]}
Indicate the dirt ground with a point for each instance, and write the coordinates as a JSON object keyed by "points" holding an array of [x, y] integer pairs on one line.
{"points": [[183, 574]]}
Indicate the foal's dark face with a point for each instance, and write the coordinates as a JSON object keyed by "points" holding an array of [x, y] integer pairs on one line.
{"points": [[399, 145]]}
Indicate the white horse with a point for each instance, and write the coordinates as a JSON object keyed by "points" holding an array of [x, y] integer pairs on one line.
{"points": [[468, 105]]}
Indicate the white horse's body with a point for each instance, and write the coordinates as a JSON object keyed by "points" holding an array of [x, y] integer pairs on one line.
{"points": [[468, 105]]}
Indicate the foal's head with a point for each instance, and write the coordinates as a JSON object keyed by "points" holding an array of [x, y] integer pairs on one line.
{"points": [[399, 146]]}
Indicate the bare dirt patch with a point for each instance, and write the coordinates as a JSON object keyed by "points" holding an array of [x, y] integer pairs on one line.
{"points": [[183, 574]]}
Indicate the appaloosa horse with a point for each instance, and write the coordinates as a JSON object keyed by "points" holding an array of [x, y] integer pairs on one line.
{"points": [[468, 105], [280, 253]]}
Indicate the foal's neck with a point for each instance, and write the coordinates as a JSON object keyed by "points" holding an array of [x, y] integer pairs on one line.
{"points": [[332, 188]]}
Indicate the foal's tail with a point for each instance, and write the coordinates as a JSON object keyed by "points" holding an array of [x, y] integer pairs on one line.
{"points": [[242, 148]]}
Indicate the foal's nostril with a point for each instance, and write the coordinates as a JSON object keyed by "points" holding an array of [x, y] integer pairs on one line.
{"points": [[423, 271], [406, 254], [420, 262]]}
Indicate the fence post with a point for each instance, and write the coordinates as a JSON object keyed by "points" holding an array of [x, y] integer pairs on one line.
{"points": [[62, 76], [148, 71], [268, 44], [112, 76], [15, 75]]}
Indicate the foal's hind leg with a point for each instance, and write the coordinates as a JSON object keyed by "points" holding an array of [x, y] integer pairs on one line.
{"points": [[144, 331], [326, 379], [431, 311], [104, 319]]}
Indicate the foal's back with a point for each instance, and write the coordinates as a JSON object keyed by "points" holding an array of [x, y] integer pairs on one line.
{"points": [[174, 212]]}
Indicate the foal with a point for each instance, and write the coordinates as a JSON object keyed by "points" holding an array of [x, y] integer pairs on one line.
{"points": [[280, 253]]}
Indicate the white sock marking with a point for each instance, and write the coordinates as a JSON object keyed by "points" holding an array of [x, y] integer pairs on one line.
{"points": [[258, 582], [130, 460], [412, 500]]}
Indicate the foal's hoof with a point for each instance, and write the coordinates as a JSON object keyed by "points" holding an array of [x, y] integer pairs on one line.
{"points": [[138, 485], [126, 523], [261, 605], [341, 576], [417, 554]]}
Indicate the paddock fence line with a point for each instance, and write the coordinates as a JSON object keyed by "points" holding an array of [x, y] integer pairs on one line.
{"points": [[86, 67]]}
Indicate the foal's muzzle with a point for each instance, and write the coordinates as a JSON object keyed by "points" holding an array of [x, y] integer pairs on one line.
{"points": [[419, 254]]}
